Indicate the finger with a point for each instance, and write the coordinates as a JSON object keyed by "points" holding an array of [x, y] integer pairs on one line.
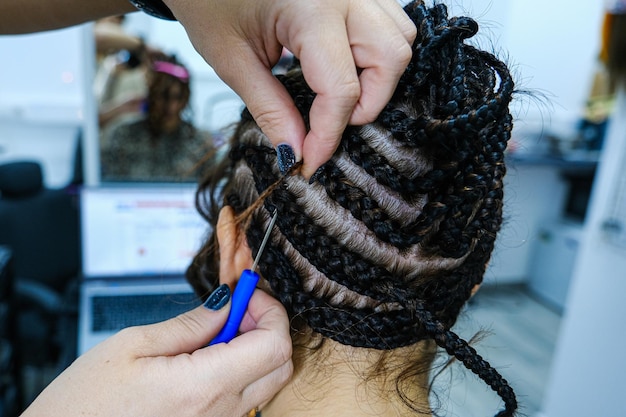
{"points": [[378, 83], [382, 51], [267, 100], [330, 71], [329, 116], [261, 391], [182, 334], [265, 344], [265, 313], [401, 19]]}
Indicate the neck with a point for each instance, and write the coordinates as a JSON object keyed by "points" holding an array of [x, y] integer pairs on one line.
{"points": [[339, 380]]}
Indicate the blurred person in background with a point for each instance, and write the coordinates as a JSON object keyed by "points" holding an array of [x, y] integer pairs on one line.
{"points": [[162, 145]]}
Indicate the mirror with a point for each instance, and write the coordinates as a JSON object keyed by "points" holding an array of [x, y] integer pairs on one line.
{"points": [[163, 113]]}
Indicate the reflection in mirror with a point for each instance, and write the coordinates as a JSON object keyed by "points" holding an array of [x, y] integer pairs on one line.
{"points": [[163, 113]]}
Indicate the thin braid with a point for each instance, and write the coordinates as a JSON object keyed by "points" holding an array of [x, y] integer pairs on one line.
{"points": [[319, 246], [461, 350], [378, 167]]}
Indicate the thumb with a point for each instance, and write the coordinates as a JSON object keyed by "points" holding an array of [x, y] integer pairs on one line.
{"points": [[271, 105], [189, 331]]}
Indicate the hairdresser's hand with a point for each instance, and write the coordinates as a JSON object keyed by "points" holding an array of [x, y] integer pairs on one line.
{"points": [[352, 54], [165, 369]]}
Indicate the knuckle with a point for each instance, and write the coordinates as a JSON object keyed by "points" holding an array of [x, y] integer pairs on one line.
{"points": [[287, 372], [267, 118], [409, 30], [284, 349], [405, 52], [188, 321], [350, 90], [270, 123], [137, 336], [134, 332]]}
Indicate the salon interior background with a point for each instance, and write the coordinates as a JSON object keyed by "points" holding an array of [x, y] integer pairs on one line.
{"points": [[46, 102], [45, 81]]}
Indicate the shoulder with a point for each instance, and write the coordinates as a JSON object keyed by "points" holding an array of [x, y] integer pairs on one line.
{"points": [[121, 133], [135, 128]]}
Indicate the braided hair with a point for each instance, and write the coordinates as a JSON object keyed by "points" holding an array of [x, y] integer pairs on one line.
{"points": [[383, 246]]}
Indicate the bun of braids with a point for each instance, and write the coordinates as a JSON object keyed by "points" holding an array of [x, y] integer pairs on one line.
{"points": [[382, 248]]}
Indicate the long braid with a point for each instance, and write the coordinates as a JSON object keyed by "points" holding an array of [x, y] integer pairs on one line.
{"points": [[384, 246], [462, 351]]}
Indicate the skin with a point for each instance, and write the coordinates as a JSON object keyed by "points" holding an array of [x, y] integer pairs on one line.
{"points": [[17, 17], [352, 53]]}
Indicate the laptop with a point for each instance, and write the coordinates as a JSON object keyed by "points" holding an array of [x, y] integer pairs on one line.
{"points": [[136, 241]]}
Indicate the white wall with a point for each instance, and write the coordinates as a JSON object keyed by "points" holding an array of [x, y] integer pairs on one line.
{"points": [[550, 45], [589, 366], [533, 196], [42, 100]]}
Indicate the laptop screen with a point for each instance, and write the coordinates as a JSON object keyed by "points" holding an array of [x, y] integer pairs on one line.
{"points": [[139, 230]]}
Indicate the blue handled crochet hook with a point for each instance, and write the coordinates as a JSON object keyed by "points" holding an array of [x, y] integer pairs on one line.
{"points": [[243, 292]]}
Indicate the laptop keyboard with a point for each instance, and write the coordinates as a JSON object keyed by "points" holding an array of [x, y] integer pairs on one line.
{"points": [[113, 313]]}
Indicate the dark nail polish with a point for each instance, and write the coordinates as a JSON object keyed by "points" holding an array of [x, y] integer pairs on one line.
{"points": [[219, 298], [285, 157]]}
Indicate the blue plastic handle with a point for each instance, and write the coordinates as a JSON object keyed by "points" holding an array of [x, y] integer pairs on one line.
{"points": [[241, 297]]}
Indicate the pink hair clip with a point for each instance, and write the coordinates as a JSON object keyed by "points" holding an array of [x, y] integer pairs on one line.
{"points": [[172, 69]]}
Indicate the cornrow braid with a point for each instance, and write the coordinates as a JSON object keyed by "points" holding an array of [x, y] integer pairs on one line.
{"points": [[383, 247], [462, 351]]}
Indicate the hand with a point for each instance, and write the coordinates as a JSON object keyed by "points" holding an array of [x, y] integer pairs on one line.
{"points": [[165, 369], [352, 54]]}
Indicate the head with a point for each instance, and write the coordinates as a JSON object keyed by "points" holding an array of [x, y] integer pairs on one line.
{"points": [[386, 243], [168, 94]]}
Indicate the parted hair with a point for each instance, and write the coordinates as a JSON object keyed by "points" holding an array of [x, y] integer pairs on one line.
{"points": [[383, 246]]}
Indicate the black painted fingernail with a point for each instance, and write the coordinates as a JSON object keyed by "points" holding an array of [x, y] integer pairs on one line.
{"points": [[218, 298], [285, 157]]}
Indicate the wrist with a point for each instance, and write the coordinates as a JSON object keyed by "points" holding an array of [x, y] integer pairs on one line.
{"points": [[154, 8]]}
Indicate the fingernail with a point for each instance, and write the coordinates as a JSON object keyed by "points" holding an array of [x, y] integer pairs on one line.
{"points": [[285, 157], [218, 298]]}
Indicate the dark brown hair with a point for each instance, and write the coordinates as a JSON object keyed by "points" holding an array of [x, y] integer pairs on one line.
{"points": [[383, 247]]}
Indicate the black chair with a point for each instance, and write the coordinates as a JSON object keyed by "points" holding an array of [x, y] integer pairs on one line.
{"points": [[41, 226], [10, 381]]}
